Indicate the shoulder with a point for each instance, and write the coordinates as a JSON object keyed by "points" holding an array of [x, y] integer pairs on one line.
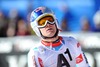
{"points": [[34, 49], [70, 39], [37, 50]]}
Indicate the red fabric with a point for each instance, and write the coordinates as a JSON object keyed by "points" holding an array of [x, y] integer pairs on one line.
{"points": [[78, 44], [40, 62], [79, 59], [53, 44]]}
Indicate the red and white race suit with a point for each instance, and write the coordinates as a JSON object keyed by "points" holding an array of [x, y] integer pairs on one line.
{"points": [[67, 53]]}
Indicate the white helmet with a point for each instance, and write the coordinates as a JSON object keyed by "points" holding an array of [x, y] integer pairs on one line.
{"points": [[39, 13]]}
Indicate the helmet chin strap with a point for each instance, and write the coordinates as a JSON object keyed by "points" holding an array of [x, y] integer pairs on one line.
{"points": [[45, 37]]}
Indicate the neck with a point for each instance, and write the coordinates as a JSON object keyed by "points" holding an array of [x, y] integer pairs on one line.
{"points": [[51, 39], [54, 42]]}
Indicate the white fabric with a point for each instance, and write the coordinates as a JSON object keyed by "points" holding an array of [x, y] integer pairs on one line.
{"points": [[49, 56]]}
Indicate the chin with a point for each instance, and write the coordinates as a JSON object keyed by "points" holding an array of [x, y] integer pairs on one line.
{"points": [[51, 35]]}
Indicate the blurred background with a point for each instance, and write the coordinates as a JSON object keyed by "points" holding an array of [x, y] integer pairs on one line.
{"points": [[77, 18]]}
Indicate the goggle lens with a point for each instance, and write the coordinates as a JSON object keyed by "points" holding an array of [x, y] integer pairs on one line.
{"points": [[43, 20]]}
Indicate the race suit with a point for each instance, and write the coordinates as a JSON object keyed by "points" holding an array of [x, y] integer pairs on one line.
{"points": [[67, 53]]}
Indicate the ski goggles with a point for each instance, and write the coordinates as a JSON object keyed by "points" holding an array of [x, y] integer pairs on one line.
{"points": [[44, 20]]}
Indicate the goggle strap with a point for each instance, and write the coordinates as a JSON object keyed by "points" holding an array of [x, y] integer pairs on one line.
{"points": [[49, 22]]}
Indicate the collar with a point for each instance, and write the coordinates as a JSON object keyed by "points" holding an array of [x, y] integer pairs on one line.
{"points": [[54, 44]]}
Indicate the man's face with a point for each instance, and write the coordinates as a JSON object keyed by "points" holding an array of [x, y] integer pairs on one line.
{"points": [[49, 29]]}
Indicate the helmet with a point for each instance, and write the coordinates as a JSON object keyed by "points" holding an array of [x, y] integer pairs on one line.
{"points": [[37, 14]]}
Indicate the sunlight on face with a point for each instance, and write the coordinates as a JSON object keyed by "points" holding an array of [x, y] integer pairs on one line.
{"points": [[49, 30]]}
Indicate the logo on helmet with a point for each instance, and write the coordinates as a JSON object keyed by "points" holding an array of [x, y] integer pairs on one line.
{"points": [[39, 9], [37, 12]]}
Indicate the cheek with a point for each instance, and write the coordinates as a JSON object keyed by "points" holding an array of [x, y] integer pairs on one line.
{"points": [[43, 31], [54, 27]]}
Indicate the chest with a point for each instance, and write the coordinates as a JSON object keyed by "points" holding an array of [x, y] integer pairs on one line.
{"points": [[64, 57]]}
